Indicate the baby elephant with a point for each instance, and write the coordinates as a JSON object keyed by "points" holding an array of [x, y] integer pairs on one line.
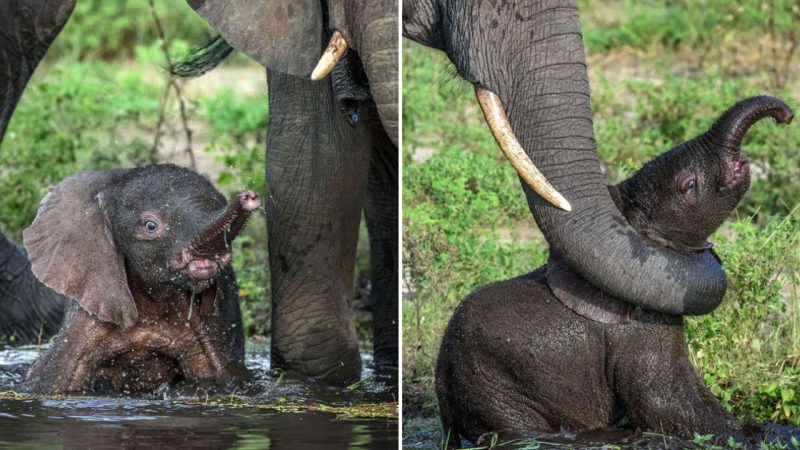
{"points": [[145, 254], [549, 351]]}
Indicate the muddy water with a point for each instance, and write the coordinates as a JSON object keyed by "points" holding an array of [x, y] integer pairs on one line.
{"points": [[271, 412], [424, 432]]}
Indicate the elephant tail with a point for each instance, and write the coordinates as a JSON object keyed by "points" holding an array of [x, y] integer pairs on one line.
{"points": [[202, 59]]}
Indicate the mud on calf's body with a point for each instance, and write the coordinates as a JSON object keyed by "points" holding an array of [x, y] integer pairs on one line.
{"points": [[145, 255], [549, 350]]}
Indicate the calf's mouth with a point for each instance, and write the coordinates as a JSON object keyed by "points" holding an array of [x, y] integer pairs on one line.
{"points": [[201, 267], [736, 169]]}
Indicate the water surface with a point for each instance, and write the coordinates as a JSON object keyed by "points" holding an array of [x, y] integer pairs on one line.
{"points": [[270, 413]]}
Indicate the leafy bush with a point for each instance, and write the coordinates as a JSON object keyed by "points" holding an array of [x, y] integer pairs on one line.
{"points": [[738, 34], [73, 119], [112, 30], [749, 348]]}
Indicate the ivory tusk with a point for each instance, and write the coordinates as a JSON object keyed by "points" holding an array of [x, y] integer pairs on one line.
{"points": [[329, 58], [497, 120]]}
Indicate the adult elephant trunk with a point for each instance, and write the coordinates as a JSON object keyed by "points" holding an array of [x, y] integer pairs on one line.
{"points": [[548, 107], [29, 311], [531, 55], [378, 54]]}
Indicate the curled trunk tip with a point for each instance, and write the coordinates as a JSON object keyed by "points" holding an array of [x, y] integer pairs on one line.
{"points": [[218, 235], [249, 200], [731, 127]]}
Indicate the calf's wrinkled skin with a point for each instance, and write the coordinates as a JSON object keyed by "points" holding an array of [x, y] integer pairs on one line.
{"points": [[548, 351], [144, 253]]}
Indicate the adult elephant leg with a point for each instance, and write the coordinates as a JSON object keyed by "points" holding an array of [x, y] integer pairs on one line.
{"points": [[381, 213], [29, 311], [317, 167], [27, 28]]}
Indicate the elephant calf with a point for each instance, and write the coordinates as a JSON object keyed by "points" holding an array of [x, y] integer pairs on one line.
{"points": [[548, 351], [145, 254]]}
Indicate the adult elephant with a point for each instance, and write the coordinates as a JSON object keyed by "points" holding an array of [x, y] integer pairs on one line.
{"points": [[29, 311], [526, 61], [331, 154]]}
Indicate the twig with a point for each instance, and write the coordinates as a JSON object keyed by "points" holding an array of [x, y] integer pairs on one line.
{"points": [[173, 83], [161, 107]]}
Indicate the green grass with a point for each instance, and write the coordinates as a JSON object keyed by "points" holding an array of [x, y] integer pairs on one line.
{"points": [[71, 120], [466, 222], [113, 30], [702, 32]]}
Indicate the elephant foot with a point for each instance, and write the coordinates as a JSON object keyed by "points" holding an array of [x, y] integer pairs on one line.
{"points": [[342, 371], [328, 355]]}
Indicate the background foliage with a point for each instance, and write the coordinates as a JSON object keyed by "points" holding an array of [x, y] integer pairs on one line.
{"points": [[94, 103], [660, 73]]}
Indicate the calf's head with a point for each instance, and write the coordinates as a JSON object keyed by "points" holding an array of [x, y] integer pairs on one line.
{"points": [[679, 198], [164, 227]]}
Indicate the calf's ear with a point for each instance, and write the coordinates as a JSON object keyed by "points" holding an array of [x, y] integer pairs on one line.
{"points": [[72, 249]]}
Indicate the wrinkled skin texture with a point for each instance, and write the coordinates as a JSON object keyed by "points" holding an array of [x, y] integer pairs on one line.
{"points": [[331, 154], [349, 117], [530, 54], [524, 355], [145, 255], [24, 320], [29, 311]]}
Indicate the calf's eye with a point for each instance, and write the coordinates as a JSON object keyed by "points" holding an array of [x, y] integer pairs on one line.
{"points": [[150, 226], [688, 184]]}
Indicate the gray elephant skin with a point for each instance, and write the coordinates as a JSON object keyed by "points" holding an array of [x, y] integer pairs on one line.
{"points": [[331, 154], [529, 57], [149, 268], [549, 351], [526, 61]]}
